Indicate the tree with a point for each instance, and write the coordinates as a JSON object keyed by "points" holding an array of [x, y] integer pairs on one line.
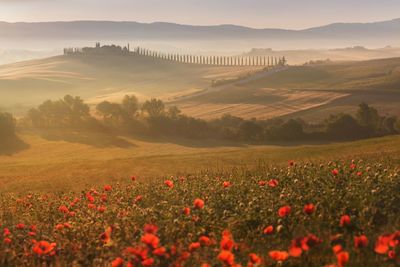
{"points": [[174, 112], [130, 106], [250, 130], [7, 125], [344, 126], [368, 116], [154, 108], [110, 111]]}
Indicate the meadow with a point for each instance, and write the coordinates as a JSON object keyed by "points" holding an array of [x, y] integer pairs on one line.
{"points": [[302, 206]]}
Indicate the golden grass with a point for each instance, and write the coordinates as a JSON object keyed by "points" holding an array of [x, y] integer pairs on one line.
{"points": [[70, 161]]}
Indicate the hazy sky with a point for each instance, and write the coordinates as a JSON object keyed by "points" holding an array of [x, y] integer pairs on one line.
{"points": [[293, 14]]}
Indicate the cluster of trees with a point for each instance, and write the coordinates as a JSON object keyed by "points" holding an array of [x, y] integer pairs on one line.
{"points": [[7, 126], [154, 118]]}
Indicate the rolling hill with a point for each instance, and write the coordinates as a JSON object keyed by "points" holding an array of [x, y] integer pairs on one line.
{"points": [[96, 78], [310, 91]]}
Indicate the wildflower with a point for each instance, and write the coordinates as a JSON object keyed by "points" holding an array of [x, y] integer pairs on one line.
{"points": [[150, 240], [198, 203], [337, 248], [160, 251], [353, 166], [118, 262], [6, 232], [106, 236], [59, 227], [138, 198], [335, 172], [63, 209], [254, 258], [309, 209], [194, 246], [382, 244], [284, 211], [133, 178], [342, 258], [291, 163], [169, 183], [205, 240], [186, 211], [44, 248], [262, 183], [278, 255], [268, 230], [226, 184], [226, 241], [360, 241], [273, 183], [345, 220], [101, 209], [107, 188], [148, 262], [226, 257], [150, 228], [7, 240], [20, 226]]}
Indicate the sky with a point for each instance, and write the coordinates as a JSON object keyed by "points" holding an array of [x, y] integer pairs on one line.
{"points": [[289, 14]]}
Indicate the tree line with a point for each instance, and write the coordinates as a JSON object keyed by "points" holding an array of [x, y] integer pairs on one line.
{"points": [[154, 118]]}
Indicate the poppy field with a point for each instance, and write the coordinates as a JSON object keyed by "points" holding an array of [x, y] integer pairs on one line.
{"points": [[338, 213]]}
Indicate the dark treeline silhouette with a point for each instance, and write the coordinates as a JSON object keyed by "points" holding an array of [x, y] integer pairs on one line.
{"points": [[7, 126], [154, 118], [10, 143]]}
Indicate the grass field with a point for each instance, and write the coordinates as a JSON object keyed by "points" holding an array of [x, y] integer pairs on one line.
{"points": [[312, 92], [70, 161], [76, 203], [98, 78]]}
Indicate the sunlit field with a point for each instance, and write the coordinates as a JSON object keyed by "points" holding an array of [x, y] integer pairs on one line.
{"points": [[308, 213]]}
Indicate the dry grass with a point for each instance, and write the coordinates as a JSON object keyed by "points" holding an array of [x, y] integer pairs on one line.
{"points": [[70, 161]]}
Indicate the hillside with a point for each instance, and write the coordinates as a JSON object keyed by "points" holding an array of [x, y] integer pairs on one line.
{"points": [[312, 91], [96, 78], [377, 33], [71, 160]]}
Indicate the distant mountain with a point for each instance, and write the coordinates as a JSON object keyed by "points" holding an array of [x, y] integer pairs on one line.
{"points": [[94, 30]]}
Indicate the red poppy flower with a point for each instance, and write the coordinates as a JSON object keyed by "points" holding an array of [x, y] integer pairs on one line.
{"points": [[150, 228], [335, 172], [268, 230], [345, 220], [101, 209], [59, 227], [7, 240], [262, 183], [291, 162], [284, 211], [186, 211], [6, 232], [226, 184], [161, 251], [148, 262], [205, 240], [353, 166], [20, 226], [63, 209], [150, 240], [169, 183], [44, 248], [337, 248], [106, 236], [342, 258], [194, 246], [254, 258], [118, 262], [133, 178], [198, 203], [107, 188], [278, 255], [382, 244], [273, 183], [226, 257], [309, 209], [138, 198], [360, 241]]}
